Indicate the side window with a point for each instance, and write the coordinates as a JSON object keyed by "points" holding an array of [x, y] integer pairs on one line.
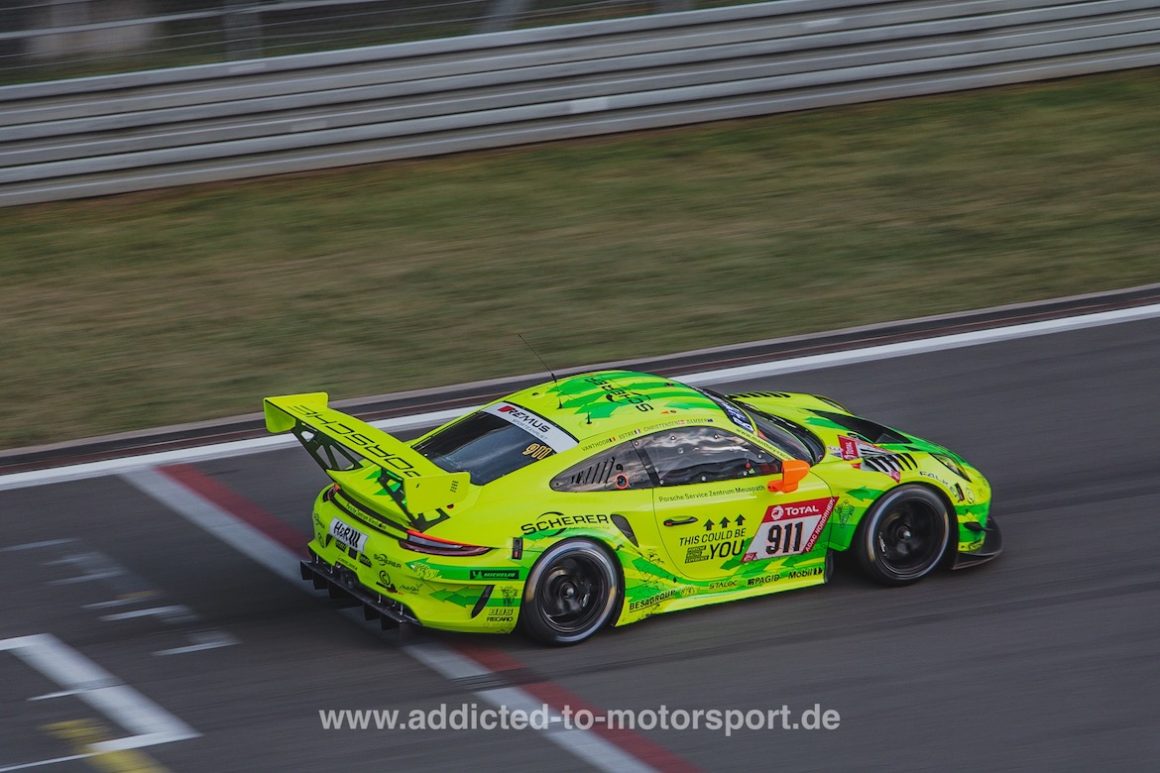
{"points": [[704, 455], [612, 470]]}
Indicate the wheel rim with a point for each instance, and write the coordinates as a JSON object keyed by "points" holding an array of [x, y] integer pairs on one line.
{"points": [[573, 593], [910, 538]]}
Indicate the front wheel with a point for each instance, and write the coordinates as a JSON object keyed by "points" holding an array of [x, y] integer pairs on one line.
{"points": [[570, 594], [902, 537]]}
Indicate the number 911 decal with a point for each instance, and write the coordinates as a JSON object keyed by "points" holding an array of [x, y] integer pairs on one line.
{"points": [[787, 530]]}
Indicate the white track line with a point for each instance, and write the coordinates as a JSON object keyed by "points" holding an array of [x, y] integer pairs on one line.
{"points": [[756, 370], [149, 723], [44, 763], [596, 751], [282, 561], [924, 345]]}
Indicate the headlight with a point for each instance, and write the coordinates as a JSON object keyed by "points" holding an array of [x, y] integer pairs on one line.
{"points": [[953, 466]]}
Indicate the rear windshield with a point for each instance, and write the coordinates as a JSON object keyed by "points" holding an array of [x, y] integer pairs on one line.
{"points": [[483, 445]]}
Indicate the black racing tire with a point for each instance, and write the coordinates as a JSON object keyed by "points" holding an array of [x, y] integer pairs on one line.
{"points": [[571, 593], [903, 536]]}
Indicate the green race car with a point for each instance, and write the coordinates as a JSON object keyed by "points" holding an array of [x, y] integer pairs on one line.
{"points": [[608, 497]]}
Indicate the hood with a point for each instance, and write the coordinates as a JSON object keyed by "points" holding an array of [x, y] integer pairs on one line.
{"points": [[844, 434]]}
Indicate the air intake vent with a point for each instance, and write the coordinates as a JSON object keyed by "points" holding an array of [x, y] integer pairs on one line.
{"points": [[749, 395], [596, 473], [891, 464]]}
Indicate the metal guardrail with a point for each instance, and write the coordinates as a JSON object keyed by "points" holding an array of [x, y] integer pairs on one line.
{"points": [[39, 39], [113, 134]]}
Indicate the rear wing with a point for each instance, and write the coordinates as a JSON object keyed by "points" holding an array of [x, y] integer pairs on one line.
{"points": [[340, 443]]}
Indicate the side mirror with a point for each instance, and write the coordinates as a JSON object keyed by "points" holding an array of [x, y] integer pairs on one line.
{"points": [[792, 472]]}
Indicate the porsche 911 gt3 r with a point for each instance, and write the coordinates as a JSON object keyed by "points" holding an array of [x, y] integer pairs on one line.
{"points": [[605, 498]]}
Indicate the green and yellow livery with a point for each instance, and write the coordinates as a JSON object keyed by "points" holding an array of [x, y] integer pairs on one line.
{"points": [[607, 497]]}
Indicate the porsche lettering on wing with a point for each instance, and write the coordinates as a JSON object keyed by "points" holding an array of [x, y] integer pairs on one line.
{"points": [[360, 442]]}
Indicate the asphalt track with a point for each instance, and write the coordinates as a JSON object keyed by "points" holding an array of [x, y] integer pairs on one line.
{"points": [[1044, 660]]}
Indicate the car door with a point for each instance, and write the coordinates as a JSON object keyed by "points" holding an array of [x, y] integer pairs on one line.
{"points": [[714, 506], [612, 486]]}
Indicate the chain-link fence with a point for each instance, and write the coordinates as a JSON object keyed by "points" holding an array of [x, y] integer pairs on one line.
{"points": [[41, 39]]}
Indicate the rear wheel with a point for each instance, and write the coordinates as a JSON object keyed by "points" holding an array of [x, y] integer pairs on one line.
{"points": [[571, 593], [901, 539]]}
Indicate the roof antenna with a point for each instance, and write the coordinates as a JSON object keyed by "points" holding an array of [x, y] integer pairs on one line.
{"points": [[556, 381]]}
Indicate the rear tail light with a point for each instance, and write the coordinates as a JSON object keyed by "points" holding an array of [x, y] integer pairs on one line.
{"points": [[423, 543]]}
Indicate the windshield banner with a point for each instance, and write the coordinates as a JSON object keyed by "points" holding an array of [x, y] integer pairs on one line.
{"points": [[542, 429]]}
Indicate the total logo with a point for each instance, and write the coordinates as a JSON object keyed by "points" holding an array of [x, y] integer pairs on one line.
{"points": [[806, 509]]}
